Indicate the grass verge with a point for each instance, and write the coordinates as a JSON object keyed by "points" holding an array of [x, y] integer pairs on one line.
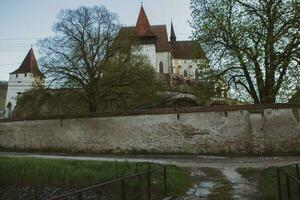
{"points": [[266, 180], [34, 173]]}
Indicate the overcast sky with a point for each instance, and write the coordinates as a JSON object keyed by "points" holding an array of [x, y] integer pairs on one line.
{"points": [[23, 22]]}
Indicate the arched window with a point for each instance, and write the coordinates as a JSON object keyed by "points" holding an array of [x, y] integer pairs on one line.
{"points": [[218, 91], [161, 67], [197, 74], [185, 73]]}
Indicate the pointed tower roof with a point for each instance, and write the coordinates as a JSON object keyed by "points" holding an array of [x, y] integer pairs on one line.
{"points": [[143, 28], [173, 35], [29, 65]]}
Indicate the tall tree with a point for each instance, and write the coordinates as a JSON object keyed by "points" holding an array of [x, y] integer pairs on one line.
{"points": [[253, 44], [3, 92], [82, 49]]}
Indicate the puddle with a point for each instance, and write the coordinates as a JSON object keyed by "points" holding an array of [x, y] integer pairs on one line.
{"points": [[197, 172], [232, 175], [201, 189]]}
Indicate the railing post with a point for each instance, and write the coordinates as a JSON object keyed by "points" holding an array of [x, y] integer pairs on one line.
{"points": [[136, 167], [123, 197], [298, 173], [149, 185], [288, 188], [279, 183], [80, 196], [165, 181]]}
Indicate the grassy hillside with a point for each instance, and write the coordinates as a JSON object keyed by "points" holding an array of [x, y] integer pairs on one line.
{"points": [[3, 91]]}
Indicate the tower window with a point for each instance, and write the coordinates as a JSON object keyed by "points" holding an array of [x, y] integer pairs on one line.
{"points": [[161, 67], [16, 75], [25, 75]]}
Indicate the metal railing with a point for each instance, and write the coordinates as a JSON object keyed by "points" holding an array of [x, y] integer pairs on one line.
{"points": [[79, 194], [288, 179]]}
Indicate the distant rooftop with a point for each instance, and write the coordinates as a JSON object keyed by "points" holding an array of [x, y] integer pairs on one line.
{"points": [[29, 65]]}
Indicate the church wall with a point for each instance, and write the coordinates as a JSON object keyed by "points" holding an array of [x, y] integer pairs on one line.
{"points": [[18, 85], [148, 50], [165, 58], [180, 65]]}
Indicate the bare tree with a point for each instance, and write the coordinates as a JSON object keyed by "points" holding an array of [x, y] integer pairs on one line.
{"points": [[81, 48], [254, 44]]}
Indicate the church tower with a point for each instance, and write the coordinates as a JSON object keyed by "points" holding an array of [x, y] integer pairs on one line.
{"points": [[146, 37], [26, 77], [173, 35]]}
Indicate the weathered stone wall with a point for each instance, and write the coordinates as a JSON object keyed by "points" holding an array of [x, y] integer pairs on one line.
{"points": [[240, 131]]}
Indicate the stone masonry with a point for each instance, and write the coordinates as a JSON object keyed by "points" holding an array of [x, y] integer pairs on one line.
{"points": [[217, 132]]}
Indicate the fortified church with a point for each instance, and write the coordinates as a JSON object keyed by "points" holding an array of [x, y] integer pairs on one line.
{"points": [[176, 60]]}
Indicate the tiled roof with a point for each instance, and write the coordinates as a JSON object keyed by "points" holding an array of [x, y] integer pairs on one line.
{"points": [[29, 65], [162, 43], [186, 50], [143, 28], [159, 31], [157, 34]]}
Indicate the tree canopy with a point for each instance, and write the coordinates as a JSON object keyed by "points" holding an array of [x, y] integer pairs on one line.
{"points": [[84, 57], [253, 44]]}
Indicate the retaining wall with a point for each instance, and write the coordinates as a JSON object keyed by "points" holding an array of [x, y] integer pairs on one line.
{"points": [[244, 131]]}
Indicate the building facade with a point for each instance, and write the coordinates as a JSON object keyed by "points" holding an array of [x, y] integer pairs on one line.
{"points": [[26, 77], [166, 55]]}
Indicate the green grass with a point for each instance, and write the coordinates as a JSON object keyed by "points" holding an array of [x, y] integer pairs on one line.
{"points": [[70, 173], [179, 181], [266, 180]]}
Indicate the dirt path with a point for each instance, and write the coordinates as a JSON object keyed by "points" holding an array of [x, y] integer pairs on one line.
{"points": [[242, 189], [224, 183], [179, 160]]}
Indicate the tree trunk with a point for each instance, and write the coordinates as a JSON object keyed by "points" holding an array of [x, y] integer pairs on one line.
{"points": [[92, 101], [92, 107]]}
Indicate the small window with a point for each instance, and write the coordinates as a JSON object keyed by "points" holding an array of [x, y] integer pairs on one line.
{"points": [[19, 93], [185, 73], [16, 75], [19, 81], [161, 67], [25, 75], [191, 66]]}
